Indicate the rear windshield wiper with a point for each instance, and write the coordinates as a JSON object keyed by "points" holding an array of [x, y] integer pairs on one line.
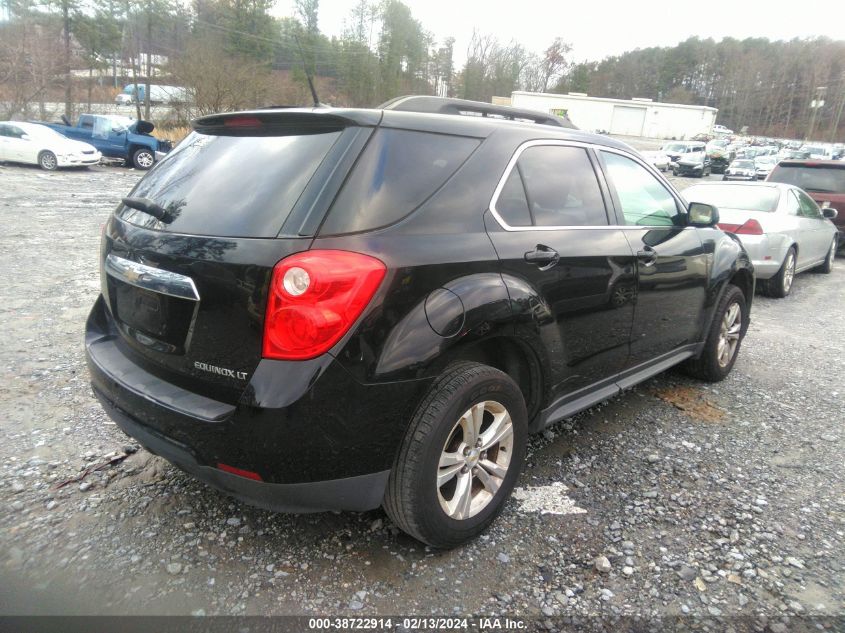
{"points": [[148, 206]]}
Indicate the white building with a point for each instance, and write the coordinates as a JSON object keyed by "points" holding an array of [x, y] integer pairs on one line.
{"points": [[637, 117]]}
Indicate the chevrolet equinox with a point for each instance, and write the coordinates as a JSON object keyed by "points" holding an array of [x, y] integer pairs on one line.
{"points": [[337, 309]]}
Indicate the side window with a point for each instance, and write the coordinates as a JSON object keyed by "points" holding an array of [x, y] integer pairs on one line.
{"points": [[86, 122], [560, 187], [15, 132], [645, 201], [4, 130], [512, 204], [793, 207], [397, 172], [809, 209]]}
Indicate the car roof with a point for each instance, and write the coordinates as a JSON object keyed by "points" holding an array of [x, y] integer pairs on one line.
{"points": [[809, 162], [479, 126]]}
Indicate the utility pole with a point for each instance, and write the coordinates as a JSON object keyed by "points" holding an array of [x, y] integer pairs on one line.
{"points": [[838, 117], [815, 104], [68, 88]]}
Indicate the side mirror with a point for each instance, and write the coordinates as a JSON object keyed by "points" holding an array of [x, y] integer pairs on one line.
{"points": [[829, 213], [25, 137], [703, 215]]}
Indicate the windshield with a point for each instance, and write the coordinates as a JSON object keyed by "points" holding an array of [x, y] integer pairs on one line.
{"points": [[231, 186], [675, 147], [745, 197], [742, 164], [822, 179]]}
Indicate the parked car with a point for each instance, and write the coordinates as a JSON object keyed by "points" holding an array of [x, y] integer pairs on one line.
{"points": [[721, 130], [741, 169], [763, 166], [35, 144], [821, 152], [696, 164], [780, 226], [318, 309], [657, 158], [117, 137], [676, 149], [824, 181]]}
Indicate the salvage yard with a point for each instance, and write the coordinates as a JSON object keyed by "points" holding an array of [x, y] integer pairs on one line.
{"points": [[673, 498]]}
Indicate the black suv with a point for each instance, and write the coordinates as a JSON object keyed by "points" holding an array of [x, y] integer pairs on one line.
{"points": [[317, 309]]}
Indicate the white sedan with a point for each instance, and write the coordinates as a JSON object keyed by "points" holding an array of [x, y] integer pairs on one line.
{"points": [[781, 227], [39, 145]]}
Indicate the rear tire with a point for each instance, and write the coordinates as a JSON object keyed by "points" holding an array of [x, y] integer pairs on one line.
{"points": [[827, 267], [48, 161], [723, 340], [780, 285], [435, 492]]}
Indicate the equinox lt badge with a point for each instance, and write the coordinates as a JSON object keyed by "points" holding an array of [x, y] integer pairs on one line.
{"points": [[230, 373]]}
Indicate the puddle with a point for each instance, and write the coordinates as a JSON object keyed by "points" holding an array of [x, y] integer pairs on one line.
{"points": [[692, 402]]}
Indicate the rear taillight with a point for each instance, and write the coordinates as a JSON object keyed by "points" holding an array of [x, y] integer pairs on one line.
{"points": [[750, 227], [314, 299]]}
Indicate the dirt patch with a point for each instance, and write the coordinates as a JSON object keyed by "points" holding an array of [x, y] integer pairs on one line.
{"points": [[692, 402]]}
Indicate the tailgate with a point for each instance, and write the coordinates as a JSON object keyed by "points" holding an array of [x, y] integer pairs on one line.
{"points": [[187, 289]]}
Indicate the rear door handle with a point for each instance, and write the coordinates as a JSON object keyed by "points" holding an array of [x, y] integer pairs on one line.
{"points": [[648, 256], [543, 257]]}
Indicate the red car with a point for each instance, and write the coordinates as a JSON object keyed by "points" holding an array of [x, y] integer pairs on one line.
{"points": [[824, 180]]}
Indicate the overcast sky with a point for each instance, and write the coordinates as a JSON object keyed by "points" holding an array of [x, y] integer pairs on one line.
{"points": [[599, 28]]}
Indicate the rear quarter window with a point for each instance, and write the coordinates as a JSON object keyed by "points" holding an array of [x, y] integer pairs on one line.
{"points": [[396, 173]]}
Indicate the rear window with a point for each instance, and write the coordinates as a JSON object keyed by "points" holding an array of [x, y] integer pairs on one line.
{"points": [[231, 186], [821, 179], [397, 172], [748, 198]]}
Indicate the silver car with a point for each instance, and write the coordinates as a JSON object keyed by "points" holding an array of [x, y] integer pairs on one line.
{"points": [[780, 226]]}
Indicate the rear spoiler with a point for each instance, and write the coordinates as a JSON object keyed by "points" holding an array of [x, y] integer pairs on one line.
{"points": [[282, 122]]}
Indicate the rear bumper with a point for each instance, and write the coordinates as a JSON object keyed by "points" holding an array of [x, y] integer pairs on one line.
{"points": [[766, 262], [363, 492], [312, 436]]}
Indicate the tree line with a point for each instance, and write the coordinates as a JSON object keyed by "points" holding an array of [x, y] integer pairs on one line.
{"points": [[235, 54]]}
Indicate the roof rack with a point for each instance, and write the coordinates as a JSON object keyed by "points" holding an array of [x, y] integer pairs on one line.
{"points": [[441, 105]]}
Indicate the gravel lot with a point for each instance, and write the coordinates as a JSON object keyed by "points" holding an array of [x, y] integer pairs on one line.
{"points": [[673, 498]]}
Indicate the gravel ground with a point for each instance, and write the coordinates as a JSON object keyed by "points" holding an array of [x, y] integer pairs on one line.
{"points": [[673, 498]]}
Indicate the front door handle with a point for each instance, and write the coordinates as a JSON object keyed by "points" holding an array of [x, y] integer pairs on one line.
{"points": [[543, 257], [648, 256]]}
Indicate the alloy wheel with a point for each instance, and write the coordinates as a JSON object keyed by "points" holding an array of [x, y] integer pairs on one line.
{"points": [[475, 460], [788, 271], [145, 160], [729, 334], [48, 161]]}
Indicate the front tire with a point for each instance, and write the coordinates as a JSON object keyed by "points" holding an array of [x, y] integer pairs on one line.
{"points": [[48, 161], [730, 322], [780, 285], [460, 456], [143, 159]]}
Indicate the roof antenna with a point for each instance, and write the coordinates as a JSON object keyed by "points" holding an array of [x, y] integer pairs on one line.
{"points": [[317, 103]]}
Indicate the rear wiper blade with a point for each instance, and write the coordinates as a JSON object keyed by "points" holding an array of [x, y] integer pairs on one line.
{"points": [[150, 207]]}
